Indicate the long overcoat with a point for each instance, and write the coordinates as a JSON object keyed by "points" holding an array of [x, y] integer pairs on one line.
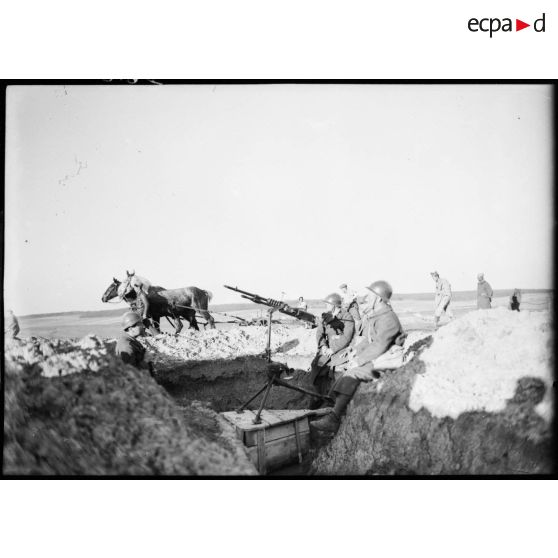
{"points": [[336, 334], [484, 295]]}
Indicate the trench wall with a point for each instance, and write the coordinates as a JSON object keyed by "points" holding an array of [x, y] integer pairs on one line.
{"points": [[73, 409], [381, 435], [225, 384]]}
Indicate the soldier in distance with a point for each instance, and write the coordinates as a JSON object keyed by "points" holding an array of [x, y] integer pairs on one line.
{"points": [[382, 331], [11, 325], [442, 298], [484, 293], [128, 348], [335, 332]]}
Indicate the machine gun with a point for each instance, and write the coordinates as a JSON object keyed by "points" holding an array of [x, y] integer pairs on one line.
{"points": [[276, 305], [276, 369]]}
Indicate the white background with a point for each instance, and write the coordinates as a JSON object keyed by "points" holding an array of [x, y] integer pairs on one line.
{"points": [[287, 39], [273, 39]]}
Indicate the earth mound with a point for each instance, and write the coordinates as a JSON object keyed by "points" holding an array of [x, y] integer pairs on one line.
{"points": [[477, 398], [72, 408]]}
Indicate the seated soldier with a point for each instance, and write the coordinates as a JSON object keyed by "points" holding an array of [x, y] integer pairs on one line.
{"points": [[128, 348], [383, 330], [335, 332], [350, 303]]}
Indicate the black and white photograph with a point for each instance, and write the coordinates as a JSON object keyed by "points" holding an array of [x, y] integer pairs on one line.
{"points": [[278, 279]]}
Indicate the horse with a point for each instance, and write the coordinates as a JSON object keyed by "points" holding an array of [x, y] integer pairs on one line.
{"points": [[169, 303]]}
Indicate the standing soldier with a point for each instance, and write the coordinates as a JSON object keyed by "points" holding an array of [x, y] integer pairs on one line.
{"points": [[11, 325], [484, 292], [383, 331], [128, 348], [335, 332], [442, 298], [351, 304], [515, 300]]}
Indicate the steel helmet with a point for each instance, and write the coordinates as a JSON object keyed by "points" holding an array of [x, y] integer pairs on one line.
{"points": [[334, 299], [130, 319], [382, 289]]}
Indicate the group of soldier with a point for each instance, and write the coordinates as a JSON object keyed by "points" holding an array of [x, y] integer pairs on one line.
{"points": [[355, 339], [340, 364]]}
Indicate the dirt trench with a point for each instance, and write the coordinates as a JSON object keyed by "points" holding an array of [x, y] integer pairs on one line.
{"points": [[381, 435], [225, 384]]}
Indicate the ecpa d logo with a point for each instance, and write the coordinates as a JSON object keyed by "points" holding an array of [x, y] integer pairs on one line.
{"points": [[492, 25]]}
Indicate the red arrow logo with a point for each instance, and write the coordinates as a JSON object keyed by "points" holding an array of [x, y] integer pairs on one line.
{"points": [[519, 25]]}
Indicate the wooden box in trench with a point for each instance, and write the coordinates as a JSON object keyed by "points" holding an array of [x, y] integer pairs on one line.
{"points": [[282, 437]]}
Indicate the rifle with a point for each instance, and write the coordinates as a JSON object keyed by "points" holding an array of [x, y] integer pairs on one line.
{"points": [[277, 305]]}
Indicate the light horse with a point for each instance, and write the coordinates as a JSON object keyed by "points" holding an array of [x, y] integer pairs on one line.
{"points": [[169, 303]]}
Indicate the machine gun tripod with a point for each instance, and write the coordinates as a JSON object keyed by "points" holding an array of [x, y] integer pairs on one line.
{"points": [[274, 371]]}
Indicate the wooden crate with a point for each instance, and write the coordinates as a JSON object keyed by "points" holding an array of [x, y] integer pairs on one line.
{"points": [[282, 437]]}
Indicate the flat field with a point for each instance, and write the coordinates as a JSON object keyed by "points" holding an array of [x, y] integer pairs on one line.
{"points": [[414, 310]]}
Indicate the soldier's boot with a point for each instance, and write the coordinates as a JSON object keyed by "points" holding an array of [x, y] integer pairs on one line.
{"points": [[345, 388], [320, 386], [329, 423]]}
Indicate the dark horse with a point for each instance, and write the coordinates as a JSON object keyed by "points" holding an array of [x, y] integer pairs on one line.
{"points": [[169, 303]]}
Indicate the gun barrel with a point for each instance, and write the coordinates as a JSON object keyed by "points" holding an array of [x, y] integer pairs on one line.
{"points": [[239, 290], [281, 306]]}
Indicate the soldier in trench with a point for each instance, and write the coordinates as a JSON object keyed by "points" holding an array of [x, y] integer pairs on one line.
{"points": [[350, 303], [334, 333], [128, 348], [380, 349]]}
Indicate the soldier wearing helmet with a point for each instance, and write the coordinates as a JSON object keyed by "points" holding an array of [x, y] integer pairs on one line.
{"points": [[334, 333], [128, 348], [382, 331], [350, 303]]}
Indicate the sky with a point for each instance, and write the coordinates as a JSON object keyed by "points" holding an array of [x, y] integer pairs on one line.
{"points": [[274, 188]]}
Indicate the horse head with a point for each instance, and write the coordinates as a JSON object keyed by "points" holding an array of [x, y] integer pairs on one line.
{"points": [[112, 290]]}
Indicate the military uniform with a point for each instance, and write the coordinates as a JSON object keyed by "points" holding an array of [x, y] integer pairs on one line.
{"points": [[442, 298], [484, 295], [130, 350], [336, 333], [11, 325], [383, 330], [515, 301]]}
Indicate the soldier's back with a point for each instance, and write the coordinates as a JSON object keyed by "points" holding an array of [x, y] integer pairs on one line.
{"points": [[130, 350]]}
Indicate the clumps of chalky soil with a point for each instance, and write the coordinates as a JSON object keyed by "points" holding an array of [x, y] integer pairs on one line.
{"points": [[476, 398], [71, 408], [476, 361], [215, 344]]}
